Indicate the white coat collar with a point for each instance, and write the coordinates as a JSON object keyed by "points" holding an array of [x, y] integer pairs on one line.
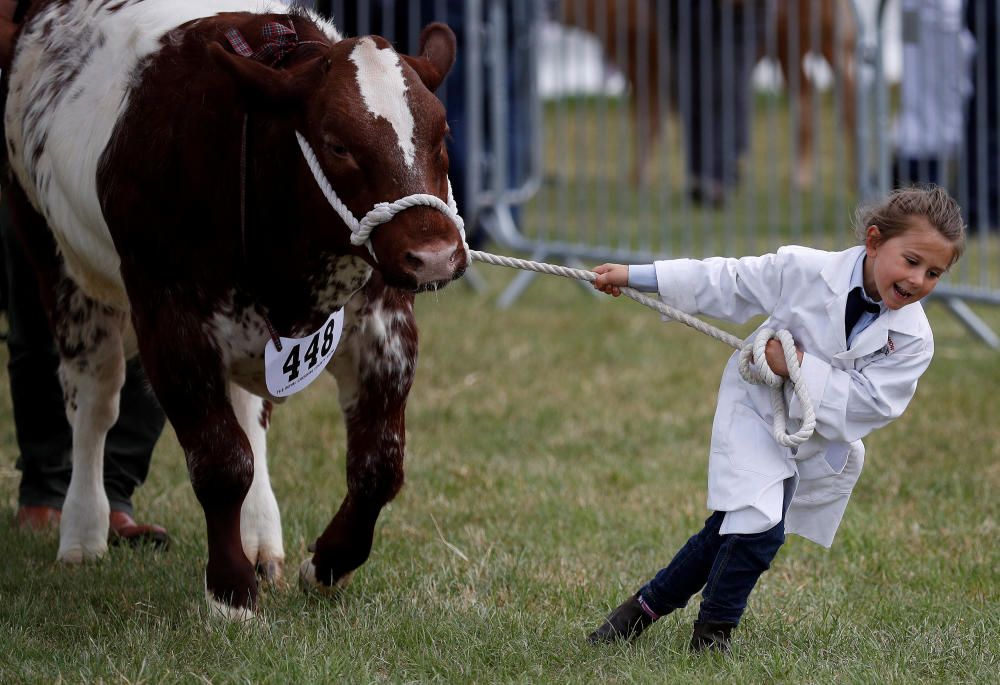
{"points": [[910, 320]]}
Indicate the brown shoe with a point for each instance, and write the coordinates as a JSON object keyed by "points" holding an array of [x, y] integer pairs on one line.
{"points": [[37, 519], [624, 623], [125, 531], [711, 636]]}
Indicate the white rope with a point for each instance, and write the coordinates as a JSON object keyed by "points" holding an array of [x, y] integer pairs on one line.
{"points": [[752, 363], [382, 212]]}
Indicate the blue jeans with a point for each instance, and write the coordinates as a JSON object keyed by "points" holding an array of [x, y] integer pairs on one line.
{"points": [[726, 566]]}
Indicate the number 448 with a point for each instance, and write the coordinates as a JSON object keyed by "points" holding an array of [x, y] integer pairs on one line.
{"points": [[314, 352]]}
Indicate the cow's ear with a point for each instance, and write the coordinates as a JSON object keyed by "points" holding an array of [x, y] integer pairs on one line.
{"points": [[437, 55], [261, 81]]}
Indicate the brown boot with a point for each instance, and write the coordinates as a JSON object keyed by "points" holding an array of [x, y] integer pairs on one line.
{"points": [[711, 636], [37, 518], [624, 623]]}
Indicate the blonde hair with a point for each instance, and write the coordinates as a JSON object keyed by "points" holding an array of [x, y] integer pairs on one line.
{"points": [[931, 202]]}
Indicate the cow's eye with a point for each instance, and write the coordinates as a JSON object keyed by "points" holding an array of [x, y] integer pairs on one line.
{"points": [[339, 150]]}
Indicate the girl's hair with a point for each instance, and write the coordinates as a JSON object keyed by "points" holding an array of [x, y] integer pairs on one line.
{"points": [[930, 201]]}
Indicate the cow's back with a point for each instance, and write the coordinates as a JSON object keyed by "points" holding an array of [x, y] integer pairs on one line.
{"points": [[75, 67]]}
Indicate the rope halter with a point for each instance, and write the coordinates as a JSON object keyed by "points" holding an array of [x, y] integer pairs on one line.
{"points": [[382, 212]]}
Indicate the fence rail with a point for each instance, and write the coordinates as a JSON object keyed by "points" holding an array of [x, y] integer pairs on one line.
{"points": [[633, 130]]}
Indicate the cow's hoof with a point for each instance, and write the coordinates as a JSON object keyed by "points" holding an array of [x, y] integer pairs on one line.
{"points": [[271, 571], [227, 612], [309, 583], [78, 554]]}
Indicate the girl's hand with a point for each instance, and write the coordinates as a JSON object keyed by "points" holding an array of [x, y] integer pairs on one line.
{"points": [[774, 353], [611, 278]]}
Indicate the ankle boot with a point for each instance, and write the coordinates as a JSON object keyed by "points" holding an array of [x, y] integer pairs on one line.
{"points": [[624, 623], [711, 636]]}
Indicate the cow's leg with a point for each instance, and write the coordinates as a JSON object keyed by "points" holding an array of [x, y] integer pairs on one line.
{"points": [[92, 372], [260, 520], [374, 370], [191, 384]]}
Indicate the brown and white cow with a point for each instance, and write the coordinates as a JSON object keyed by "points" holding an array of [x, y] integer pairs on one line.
{"points": [[187, 175]]}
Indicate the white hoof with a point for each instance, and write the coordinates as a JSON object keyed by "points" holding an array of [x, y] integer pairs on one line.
{"points": [[77, 554], [309, 583], [222, 611]]}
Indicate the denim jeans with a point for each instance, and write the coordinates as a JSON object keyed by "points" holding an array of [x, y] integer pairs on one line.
{"points": [[726, 566]]}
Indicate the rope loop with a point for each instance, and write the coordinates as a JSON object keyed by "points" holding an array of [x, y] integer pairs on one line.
{"points": [[753, 365], [382, 212]]}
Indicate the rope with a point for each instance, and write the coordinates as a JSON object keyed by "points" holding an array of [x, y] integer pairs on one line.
{"points": [[382, 212], [756, 372]]}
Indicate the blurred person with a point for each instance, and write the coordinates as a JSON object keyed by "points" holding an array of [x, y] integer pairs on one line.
{"points": [[982, 131], [716, 111], [937, 53], [863, 341]]}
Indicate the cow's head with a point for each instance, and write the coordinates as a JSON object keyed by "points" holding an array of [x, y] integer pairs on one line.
{"points": [[371, 127]]}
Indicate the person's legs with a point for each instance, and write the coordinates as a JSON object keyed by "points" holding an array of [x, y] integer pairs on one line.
{"points": [[43, 434], [130, 443], [670, 589], [739, 564], [687, 572]]}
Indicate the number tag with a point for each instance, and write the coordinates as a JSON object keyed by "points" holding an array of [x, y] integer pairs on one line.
{"points": [[301, 359]]}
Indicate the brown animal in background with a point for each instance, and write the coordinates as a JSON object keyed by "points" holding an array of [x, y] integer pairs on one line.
{"points": [[636, 23]]}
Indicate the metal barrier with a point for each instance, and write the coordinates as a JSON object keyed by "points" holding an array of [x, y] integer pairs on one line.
{"points": [[633, 130], [707, 139], [689, 148]]}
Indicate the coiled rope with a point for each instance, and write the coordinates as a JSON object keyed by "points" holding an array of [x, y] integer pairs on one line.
{"points": [[752, 363]]}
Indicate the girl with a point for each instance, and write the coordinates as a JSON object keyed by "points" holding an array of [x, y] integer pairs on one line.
{"points": [[862, 344]]}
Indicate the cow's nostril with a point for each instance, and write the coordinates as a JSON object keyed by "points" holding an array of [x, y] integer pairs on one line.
{"points": [[413, 261], [455, 254]]}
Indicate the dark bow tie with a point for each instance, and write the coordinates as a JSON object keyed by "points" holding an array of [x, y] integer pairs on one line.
{"points": [[856, 303]]}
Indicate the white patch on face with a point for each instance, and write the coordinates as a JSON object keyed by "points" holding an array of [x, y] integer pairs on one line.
{"points": [[383, 88]]}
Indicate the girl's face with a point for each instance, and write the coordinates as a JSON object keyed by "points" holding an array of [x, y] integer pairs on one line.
{"points": [[905, 268]]}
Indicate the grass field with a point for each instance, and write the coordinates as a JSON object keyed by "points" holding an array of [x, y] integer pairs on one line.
{"points": [[556, 458]]}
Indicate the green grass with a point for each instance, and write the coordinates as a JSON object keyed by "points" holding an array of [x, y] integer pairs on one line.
{"points": [[556, 459]]}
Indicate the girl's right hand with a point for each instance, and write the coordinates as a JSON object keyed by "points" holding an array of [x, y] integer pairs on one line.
{"points": [[611, 278]]}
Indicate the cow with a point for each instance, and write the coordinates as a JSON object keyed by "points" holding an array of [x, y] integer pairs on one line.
{"points": [[188, 177]]}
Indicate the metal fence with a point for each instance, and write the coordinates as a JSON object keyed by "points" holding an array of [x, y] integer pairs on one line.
{"points": [[631, 130]]}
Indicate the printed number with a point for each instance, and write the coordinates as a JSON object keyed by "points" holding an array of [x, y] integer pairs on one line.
{"points": [[328, 337], [312, 351], [291, 366]]}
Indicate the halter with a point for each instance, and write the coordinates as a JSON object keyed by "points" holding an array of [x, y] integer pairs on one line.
{"points": [[382, 212]]}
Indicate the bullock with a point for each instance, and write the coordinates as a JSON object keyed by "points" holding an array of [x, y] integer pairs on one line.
{"points": [[188, 177]]}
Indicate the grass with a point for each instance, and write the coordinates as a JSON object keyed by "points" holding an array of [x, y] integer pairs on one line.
{"points": [[556, 459]]}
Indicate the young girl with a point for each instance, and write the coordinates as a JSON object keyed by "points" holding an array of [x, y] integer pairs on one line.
{"points": [[862, 344]]}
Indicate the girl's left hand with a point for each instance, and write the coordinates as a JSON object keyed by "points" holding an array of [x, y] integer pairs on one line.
{"points": [[774, 353]]}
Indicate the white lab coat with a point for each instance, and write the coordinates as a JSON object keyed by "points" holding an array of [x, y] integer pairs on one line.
{"points": [[854, 391]]}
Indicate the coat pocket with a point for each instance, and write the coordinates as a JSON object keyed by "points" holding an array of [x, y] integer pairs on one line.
{"points": [[748, 444]]}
